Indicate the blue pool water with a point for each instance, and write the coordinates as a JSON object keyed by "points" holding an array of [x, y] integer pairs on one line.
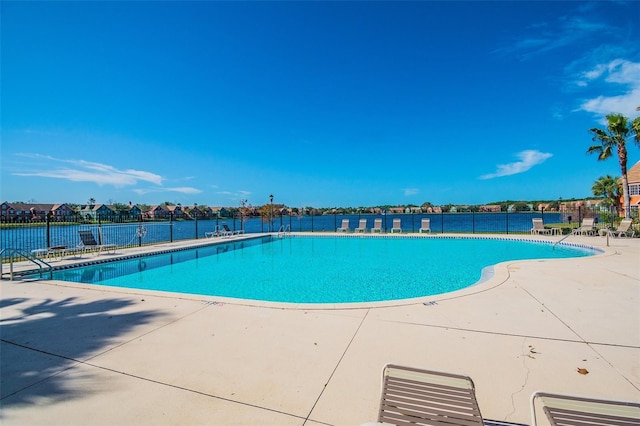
{"points": [[303, 269]]}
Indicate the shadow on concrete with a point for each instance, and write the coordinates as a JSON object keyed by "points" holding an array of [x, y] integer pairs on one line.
{"points": [[40, 340]]}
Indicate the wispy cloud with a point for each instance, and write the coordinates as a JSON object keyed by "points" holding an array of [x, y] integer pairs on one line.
{"points": [[182, 190], [411, 191], [623, 73], [88, 171], [235, 195], [528, 159], [550, 36]]}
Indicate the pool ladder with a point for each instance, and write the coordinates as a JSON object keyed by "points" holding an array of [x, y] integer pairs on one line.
{"points": [[13, 253], [284, 231]]}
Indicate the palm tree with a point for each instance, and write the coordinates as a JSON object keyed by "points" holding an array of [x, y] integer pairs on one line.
{"points": [[615, 137], [609, 188]]}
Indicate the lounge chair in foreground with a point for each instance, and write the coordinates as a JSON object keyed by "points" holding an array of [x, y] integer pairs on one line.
{"points": [[623, 230], [377, 225], [569, 410], [88, 242], [344, 227], [423, 397], [396, 226], [425, 225], [362, 226], [587, 227], [538, 227], [226, 231]]}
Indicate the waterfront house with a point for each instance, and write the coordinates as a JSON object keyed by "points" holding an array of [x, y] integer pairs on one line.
{"points": [[30, 212], [633, 179], [175, 211], [96, 211], [157, 212]]}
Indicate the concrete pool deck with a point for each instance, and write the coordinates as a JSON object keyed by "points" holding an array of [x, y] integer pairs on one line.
{"points": [[75, 354]]}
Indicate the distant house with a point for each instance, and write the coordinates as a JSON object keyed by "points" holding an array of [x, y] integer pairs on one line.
{"points": [[28, 212], [490, 208], [193, 213], [176, 211], [206, 212], [134, 211], [157, 212], [633, 179], [219, 212], [96, 211]]}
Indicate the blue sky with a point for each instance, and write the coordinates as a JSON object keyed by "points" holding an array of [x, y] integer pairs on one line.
{"points": [[318, 103]]}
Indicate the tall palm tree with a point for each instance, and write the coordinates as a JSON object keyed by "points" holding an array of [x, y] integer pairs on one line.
{"points": [[615, 137], [610, 188]]}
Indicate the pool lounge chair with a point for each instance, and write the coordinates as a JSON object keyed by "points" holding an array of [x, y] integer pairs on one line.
{"points": [[53, 252], [88, 242], [396, 226], [377, 225], [587, 227], [623, 230], [572, 410], [362, 227], [344, 227], [424, 397], [425, 226], [212, 234], [538, 227], [226, 231]]}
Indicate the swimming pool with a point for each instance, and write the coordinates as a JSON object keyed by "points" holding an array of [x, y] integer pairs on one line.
{"points": [[305, 269]]}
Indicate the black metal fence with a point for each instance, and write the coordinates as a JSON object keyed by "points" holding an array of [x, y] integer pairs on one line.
{"points": [[34, 235]]}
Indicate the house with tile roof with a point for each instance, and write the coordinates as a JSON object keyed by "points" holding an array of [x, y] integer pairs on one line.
{"points": [[633, 178], [30, 212]]}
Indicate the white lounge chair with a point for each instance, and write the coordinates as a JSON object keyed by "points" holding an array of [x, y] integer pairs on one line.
{"points": [[396, 226], [344, 227], [570, 410], [362, 227], [424, 397], [623, 230], [425, 225], [88, 242], [377, 225], [587, 227], [538, 227], [226, 231]]}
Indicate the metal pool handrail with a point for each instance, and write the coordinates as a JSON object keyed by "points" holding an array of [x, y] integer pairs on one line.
{"points": [[22, 253]]}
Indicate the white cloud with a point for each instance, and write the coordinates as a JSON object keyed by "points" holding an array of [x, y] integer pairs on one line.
{"points": [[621, 72], [88, 171], [411, 191], [183, 190], [528, 159]]}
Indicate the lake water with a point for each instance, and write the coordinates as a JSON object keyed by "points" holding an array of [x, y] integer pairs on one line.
{"points": [[35, 237]]}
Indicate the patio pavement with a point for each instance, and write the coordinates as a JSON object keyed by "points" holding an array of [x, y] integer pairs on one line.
{"points": [[75, 354]]}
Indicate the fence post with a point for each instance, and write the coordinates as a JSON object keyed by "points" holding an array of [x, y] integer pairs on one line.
{"points": [[579, 215], [311, 221], [48, 218], [473, 222], [140, 226], [195, 218], [441, 221], [507, 221], [170, 227], [99, 229]]}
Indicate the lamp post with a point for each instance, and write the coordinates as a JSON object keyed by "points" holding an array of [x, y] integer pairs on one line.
{"points": [[271, 214]]}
